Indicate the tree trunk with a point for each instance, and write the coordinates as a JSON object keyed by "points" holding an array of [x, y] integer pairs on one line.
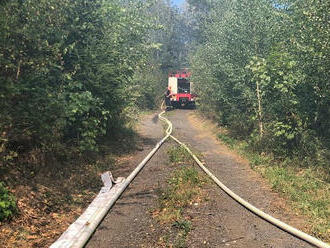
{"points": [[261, 129], [18, 69]]}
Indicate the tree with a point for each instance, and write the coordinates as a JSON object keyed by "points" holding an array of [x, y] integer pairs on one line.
{"points": [[66, 71], [261, 67]]}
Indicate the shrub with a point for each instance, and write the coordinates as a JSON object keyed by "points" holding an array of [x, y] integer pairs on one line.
{"points": [[7, 203]]}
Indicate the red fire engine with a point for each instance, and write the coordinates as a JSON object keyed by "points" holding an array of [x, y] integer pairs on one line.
{"points": [[181, 89]]}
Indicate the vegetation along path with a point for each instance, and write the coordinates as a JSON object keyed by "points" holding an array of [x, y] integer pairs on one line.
{"points": [[216, 222]]}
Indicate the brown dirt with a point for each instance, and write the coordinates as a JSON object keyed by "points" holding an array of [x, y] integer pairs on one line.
{"points": [[218, 222], [129, 222], [47, 204], [52, 195]]}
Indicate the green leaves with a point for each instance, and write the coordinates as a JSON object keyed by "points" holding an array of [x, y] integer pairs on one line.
{"points": [[262, 66], [87, 119], [7, 203], [66, 70]]}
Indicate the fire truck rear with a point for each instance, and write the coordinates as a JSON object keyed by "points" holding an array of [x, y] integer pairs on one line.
{"points": [[181, 89]]}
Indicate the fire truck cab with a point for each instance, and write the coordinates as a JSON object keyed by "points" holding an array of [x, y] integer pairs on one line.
{"points": [[181, 89]]}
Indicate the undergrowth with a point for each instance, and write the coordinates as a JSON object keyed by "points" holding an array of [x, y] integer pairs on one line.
{"points": [[49, 196], [7, 203], [306, 187]]}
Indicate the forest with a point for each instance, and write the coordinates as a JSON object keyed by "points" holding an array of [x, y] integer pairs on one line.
{"points": [[76, 74], [265, 72]]}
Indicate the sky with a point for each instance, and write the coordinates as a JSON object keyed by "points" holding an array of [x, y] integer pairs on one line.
{"points": [[177, 2]]}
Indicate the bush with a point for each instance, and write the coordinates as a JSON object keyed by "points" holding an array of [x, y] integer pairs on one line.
{"points": [[7, 203]]}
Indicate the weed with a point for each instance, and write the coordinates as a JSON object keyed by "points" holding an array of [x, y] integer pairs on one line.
{"points": [[183, 225], [180, 241], [310, 196], [7, 203], [179, 155], [183, 189], [184, 228], [229, 141]]}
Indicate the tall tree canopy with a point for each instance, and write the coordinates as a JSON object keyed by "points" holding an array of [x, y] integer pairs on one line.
{"points": [[263, 68], [73, 71], [68, 71]]}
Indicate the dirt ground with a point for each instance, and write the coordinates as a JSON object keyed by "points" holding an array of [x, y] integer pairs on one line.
{"points": [[218, 222]]}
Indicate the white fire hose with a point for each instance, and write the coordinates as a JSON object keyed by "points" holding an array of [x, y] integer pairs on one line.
{"points": [[78, 234], [304, 236]]}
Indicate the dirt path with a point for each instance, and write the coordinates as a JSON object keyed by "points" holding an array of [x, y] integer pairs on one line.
{"points": [[129, 223], [219, 222]]}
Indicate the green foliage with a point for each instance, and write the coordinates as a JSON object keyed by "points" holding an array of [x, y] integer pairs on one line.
{"points": [[149, 85], [277, 50], [308, 194], [264, 64], [179, 155], [7, 203], [184, 225], [172, 37], [227, 140], [71, 72]]}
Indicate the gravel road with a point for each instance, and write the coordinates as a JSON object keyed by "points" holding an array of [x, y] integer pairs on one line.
{"points": [[220, 221]]}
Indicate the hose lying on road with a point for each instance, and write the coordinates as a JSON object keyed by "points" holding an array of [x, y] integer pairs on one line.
{"points": [[267, 217], [79, 232]]}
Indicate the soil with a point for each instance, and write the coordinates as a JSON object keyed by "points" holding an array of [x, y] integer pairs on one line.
{"points": [[217, 222], [48, 202]]}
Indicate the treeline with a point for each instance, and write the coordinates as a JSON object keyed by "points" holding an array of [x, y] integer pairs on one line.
{"points": [[262, 70], [72, 72], [76, 74]]}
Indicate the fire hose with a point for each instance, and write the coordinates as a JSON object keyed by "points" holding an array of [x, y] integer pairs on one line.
{"points": [[78, 234]]}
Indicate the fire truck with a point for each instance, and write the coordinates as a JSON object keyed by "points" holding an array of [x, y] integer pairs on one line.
{"points": [[181, 89]]}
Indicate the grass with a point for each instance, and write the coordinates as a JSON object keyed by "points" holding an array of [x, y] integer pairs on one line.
{"points": [[307, 194], [230, 142], [183, 189], [179, 155], [306, 188]]}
